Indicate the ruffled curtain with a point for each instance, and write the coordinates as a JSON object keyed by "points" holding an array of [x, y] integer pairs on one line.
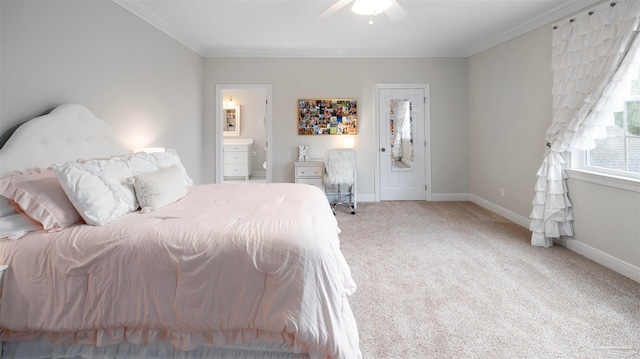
{"points": [[595, 57]]}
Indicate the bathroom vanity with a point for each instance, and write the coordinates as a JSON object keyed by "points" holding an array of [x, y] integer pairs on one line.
{"points": [[237, 157]]}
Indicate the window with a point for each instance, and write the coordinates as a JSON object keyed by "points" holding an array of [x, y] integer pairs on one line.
{"points": [[619, 153]]}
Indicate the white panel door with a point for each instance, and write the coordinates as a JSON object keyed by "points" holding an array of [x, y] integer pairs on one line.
{"points": [[403, 147]]}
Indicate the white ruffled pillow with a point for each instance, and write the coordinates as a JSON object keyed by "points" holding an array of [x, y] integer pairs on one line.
{"points": [[98, 188], [143, 162], [158, 189]]}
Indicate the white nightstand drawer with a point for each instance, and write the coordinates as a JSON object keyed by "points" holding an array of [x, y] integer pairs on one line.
{"points": [[309, 171], [312, 181], [235, 157]]}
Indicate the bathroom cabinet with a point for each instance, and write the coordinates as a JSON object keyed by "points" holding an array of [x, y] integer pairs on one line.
{"points": [[237, 157]]}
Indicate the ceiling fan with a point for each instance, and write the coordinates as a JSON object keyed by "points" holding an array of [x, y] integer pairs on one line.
{"points": [[368, 7]]}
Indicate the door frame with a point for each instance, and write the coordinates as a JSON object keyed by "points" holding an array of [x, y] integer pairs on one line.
{"points": [[220, 88], [426, 127]]}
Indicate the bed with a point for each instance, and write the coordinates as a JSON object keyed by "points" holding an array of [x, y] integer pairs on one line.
{"points": [[235, 271]]}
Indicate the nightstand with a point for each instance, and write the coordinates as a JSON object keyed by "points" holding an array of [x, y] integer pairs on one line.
{"points": [[310, 172]]}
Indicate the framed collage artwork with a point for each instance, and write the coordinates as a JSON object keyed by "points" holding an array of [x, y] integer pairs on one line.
{"points": [[328, 116]]}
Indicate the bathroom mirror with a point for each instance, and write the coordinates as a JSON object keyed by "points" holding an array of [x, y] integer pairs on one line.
{"points": [[231, 123], [401, 127]]}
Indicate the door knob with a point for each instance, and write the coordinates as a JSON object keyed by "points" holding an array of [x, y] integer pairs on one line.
{"points": [[382, 149]]}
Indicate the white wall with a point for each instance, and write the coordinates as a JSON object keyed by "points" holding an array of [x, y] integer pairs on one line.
{"points": [[294, 78], [144, 84], [509, 112]]}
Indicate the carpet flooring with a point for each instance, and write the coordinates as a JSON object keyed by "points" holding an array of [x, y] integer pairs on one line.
{"points": [[453, 280]]}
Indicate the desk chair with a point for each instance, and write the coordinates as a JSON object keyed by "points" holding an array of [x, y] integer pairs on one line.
{"points": [[340, 167]]}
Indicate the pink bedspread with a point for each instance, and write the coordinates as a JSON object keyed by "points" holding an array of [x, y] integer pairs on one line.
{"points": [[228, 264]]}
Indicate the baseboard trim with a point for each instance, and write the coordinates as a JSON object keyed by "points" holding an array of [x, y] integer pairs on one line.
{"points": [[600, 257], [449, 197], [626, 269], [366, 197], [510, 215], [596, 255]]}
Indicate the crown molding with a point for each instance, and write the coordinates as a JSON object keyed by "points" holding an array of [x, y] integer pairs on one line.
{"points": [[306, 53], [553, 15], [544, 19], [140, 10], [137, 8]]}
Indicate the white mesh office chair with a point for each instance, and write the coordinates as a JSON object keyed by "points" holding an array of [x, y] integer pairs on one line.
{"points": [[340, 167]]}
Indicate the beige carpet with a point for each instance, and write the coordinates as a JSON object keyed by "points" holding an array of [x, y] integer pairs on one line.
{"points": [[453, 280]]}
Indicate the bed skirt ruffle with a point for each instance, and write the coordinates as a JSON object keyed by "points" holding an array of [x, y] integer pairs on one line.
{"points": [[42, 349], [131, 339]]}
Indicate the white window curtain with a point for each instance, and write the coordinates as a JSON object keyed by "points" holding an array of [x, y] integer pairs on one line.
{"points": [[595, 56]]}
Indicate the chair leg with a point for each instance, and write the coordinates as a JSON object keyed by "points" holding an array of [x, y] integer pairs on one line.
{"points": [[338, 202], [348, 204]]}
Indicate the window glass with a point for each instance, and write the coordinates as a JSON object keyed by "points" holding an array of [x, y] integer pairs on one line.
{"points": [[619, 153]]}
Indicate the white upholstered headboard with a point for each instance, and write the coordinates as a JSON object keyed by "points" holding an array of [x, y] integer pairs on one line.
{"points": [[69, 132]]}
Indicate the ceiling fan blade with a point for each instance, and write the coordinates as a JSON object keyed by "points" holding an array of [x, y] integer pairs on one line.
{"points": [[333, 8], [395, 11]]}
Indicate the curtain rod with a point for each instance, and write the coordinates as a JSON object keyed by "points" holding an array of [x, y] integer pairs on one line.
{"points": [[591, 12]]}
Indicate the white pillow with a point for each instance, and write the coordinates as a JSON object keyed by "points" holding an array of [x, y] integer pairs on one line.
{"points": [[17, 225], [142, 162], [6, 209], [98, 189], [160, 188]]}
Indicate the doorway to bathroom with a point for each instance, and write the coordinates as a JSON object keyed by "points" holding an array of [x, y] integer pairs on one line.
{"points": [[243, 133]]}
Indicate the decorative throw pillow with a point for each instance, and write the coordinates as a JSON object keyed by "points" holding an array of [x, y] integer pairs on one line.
{"points": [[97, 188], [160, 188], [39, 195], [143, 162]]}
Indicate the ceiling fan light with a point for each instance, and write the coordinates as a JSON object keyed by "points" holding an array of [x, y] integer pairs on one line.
{"points": [[370, 7]]}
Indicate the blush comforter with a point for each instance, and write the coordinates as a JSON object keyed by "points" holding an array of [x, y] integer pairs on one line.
{"points": [[226, 265]]}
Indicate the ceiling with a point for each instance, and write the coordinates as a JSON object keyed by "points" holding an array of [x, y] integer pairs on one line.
{"points": [[290, 28]]}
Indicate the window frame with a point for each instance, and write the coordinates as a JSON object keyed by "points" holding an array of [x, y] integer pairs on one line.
{"points": [[576, 170], [580, 159]]}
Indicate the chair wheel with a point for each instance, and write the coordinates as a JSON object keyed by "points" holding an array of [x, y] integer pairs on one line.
{"points": [[353, 212]]}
